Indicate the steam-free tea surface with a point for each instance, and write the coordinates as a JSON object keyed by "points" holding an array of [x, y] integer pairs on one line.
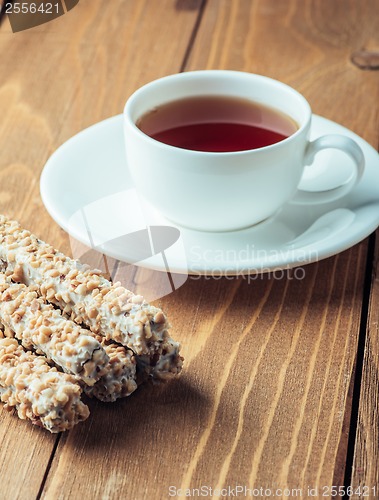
{"points": [[217, 124]]}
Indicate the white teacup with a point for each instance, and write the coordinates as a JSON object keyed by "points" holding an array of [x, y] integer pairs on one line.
{"points": [[226, 191]]}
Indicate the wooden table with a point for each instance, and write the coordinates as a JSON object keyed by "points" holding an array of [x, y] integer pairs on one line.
{"points": [[280, 387]]}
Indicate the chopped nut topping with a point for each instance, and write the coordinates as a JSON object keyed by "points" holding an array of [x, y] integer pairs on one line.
{"points": [[40, 393]]}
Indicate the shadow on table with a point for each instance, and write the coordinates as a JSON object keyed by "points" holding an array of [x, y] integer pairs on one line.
{"points": [[155, 412]]}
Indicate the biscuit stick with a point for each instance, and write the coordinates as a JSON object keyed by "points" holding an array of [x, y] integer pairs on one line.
{"points": [[119, 380], [119, 375], [48, 398], [38, 325], [89, 298]]}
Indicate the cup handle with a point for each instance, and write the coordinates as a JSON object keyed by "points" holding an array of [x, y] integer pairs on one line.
{"points": [[345, 144]]}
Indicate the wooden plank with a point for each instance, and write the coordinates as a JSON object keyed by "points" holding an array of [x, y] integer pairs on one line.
{"points": [[264, 393], [305, 44], [309, 46], [24, 454], [261, 401], [98, 54], [56, 79], [365, 473]]}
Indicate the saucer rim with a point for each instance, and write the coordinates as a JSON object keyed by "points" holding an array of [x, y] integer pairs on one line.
{"points": [[251, 267]]}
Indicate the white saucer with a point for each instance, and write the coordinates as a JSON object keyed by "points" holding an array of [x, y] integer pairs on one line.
{"points": [[86, 188]]}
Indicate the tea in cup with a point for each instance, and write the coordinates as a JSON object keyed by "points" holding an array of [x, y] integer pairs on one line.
{"points": [[222, 150]]}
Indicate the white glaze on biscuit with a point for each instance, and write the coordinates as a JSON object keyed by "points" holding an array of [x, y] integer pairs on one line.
{"points": [[40, 393], [88, 298], [41, 327]]}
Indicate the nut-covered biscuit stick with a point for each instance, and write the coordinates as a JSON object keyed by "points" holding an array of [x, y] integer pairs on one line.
{"points": [[89, 298], [38, 325], [119, 380], [40, 393], [119, 377]]}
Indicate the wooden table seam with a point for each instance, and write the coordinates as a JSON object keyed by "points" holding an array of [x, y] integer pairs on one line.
{"points": [[358, 370]]}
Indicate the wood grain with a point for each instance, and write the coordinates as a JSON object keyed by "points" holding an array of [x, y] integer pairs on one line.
{"points": [[24, 454], [98, 55], [365, 473], [305, 44], [264, 397], [56, 79], [309, 46], [261, 402]]}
